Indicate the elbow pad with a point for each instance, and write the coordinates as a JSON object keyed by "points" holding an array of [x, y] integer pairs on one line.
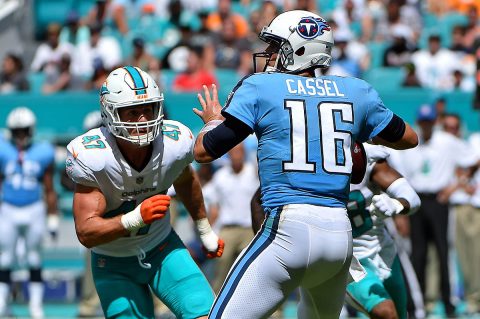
{"points": [[402, 189]]}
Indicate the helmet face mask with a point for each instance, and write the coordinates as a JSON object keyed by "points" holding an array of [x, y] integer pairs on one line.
{"points": [[304, 41], [134, 89]]}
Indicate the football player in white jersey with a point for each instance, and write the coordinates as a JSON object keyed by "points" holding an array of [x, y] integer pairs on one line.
{"points": [[122, 172], [382, 193]]}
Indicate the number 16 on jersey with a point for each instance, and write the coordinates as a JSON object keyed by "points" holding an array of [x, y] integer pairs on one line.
{"points": [[335, 142]]}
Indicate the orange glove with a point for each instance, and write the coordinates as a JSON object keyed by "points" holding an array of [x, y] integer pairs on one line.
{"points": [[218, 252], [154, 208], [150, 210], [212, 245]]}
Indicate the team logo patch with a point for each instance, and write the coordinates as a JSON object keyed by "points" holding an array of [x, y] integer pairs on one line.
{"points": [[310, 27]]}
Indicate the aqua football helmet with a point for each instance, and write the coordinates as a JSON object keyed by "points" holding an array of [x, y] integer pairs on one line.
{"points": [[128, 87], [301, 40]]}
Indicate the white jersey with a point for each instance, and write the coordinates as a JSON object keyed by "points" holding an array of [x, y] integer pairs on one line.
{"points": [[376, 242], [95, 160]]}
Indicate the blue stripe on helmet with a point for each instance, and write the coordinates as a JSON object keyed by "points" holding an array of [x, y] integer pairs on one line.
{"points": [[138, 83]]}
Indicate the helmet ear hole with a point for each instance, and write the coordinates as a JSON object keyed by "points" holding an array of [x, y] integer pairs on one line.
{"points": [[300, 51]]}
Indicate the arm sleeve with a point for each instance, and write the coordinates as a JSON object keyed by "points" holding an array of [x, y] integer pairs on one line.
{"points": [[377, 116], [394, 130], [224, 137]]}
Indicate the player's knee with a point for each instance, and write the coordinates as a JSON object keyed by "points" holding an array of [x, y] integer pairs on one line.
{"points": [[120, 308], [384, 310], [196, 305]]}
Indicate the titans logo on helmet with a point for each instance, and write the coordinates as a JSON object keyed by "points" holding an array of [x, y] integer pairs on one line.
{"points": [[310, 27]]}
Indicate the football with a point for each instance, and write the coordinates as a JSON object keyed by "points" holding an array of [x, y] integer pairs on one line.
{"points": [[359, 160]]}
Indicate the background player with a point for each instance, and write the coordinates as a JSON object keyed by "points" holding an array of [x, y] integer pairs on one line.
{"points": [[305, 126], [122, 172], [382, 293], [27, 194]]}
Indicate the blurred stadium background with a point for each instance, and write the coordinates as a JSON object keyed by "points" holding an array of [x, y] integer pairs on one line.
{"points": [[385, 42]]}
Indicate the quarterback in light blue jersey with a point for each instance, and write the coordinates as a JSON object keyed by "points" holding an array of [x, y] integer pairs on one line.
{"points": [[305, 124], [26, 170]]}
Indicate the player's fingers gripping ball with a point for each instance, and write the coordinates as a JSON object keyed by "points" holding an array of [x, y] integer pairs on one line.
{"points": [[150, 210], [154, 208]]}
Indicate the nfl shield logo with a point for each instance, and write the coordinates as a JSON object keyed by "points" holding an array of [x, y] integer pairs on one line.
{"points": [[140, 180]]}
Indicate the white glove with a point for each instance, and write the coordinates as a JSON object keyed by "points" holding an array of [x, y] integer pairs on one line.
{"points": [[385, 206], [212, 244], [53, 223]]}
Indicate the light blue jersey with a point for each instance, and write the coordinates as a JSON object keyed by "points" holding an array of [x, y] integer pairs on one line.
{"points": [[22, 172], [305, 127]]}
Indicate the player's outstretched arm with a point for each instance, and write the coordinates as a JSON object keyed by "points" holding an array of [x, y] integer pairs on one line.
{"points": [[188, 189], [408, 139]]}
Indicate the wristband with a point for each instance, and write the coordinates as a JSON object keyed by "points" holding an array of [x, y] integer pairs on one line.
{"points": [[402, 189], [210, 125], [132, 220]]}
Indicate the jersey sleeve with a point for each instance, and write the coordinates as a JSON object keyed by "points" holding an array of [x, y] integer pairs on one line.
{"points": [[242, 101], [377, 116], [77, 169]]}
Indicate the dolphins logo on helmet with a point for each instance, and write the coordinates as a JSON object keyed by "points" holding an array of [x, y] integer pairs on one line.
{"points": [[310, 27]]}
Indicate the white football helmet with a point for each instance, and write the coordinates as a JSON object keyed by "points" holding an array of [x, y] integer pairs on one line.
{"points": [[302, 40], [126, 87], [21, 123]]}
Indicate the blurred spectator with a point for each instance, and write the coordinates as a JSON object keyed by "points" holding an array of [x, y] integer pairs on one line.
{"points": [[348, 17], [458, 40], [50, 52], [342, 63], [232, 52], [100, 13], [61, 78], [103, 48], [98, 77], [307, 5], [463, 6], [400, 51], [234, 186], [411, 79], [430, 169], [398, 15], [195, 76], [141, 58], [435, 66], [124, 11], [440, 105], [462, 82], [374, 14], [12, 77], [216, 20], [73, 32], [472, 29], [466, 203]]}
